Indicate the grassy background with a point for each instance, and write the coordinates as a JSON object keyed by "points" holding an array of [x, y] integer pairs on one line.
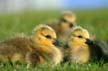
{"points": [[95, 21]]}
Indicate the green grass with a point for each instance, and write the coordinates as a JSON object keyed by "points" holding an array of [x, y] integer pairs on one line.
{"points": [[64, 67], [95, 21]]}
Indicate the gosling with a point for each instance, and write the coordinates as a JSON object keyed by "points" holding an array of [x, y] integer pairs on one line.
{"points": [[40, 48], [62, 26], [76, 50]]}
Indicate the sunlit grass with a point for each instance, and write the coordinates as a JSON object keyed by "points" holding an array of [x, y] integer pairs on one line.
{"points": [[64, 67]]}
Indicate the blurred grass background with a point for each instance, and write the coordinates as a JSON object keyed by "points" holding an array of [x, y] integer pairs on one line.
{"points": [[96, 21]]}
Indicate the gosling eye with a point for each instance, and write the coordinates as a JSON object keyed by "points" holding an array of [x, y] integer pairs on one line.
{"points": [[48, 36], [80, 36]]}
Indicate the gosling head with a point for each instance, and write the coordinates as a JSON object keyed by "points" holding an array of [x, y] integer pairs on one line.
{"points": [[79, 37], [44, 36], [68, 18]]}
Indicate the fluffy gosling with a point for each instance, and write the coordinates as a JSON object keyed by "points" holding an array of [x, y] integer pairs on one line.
{"points": [[62, 27], [77, 51], [39, 49]]}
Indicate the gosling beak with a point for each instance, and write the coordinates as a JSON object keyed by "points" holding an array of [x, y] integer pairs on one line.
{"points": [[57, 43], [72, 25], [89, 42]]}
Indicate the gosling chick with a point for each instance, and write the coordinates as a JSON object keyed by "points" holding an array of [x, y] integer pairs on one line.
{"points": [[77, 51], [39, 49], [46, 41], [62, 27]]}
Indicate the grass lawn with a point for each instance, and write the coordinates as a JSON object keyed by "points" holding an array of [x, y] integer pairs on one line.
{"points": [[65, 67], [95, 21]]}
